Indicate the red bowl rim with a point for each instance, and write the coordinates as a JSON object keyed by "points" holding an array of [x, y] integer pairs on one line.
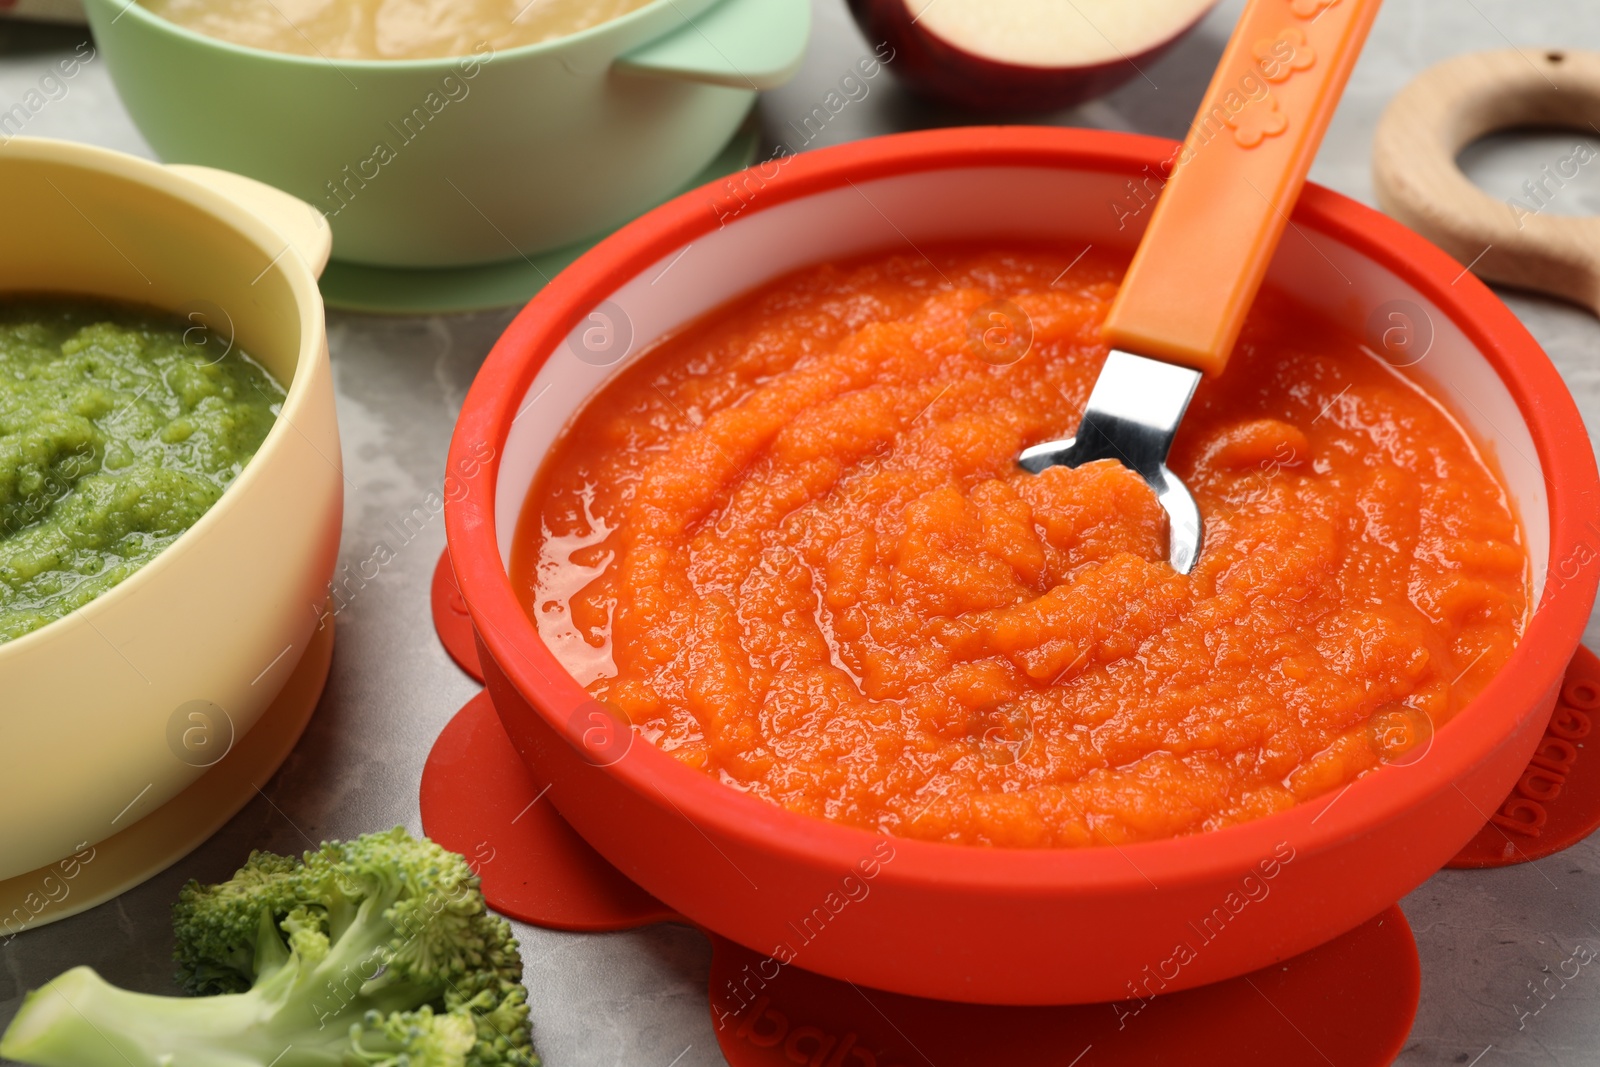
{"points": [[1552, 634]]}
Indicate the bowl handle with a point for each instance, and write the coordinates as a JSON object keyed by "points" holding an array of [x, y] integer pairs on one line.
{"points": [[296, 221], [742, 44], [1516, 241]]}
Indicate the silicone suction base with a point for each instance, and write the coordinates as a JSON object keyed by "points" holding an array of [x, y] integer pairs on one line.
{"points": [[151, 845], [480, 799], [1556, 802], [508, 283], [450, 619], [1300, 1011]]}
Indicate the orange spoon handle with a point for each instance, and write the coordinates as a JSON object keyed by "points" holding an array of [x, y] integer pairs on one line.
{"points": [[1236, 179]]}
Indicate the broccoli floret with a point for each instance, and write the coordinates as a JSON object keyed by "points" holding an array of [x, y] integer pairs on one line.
{"points": [[377, 952]]}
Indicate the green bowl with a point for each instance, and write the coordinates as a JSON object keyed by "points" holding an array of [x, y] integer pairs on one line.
{"points": [[449, 162]]}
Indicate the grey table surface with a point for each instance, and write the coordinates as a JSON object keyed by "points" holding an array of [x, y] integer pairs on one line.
{"points": [[639, 998]]}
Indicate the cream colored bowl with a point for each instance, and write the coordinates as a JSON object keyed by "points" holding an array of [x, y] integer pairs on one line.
{"points": [[108, 713]]}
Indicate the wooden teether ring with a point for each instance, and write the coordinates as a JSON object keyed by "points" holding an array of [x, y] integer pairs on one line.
{"points": [[1455, 103]]}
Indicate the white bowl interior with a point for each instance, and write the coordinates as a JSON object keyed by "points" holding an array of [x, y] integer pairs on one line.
{"points": [[1020, 203]]}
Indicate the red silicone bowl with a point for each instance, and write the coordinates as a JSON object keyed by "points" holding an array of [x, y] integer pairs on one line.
{"points": [[998, 925]]}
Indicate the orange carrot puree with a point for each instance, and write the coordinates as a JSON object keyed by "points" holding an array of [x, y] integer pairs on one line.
{"points": [[792, 545]]}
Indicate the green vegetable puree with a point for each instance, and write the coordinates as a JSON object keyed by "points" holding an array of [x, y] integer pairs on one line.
{"points": [[119, 427]]}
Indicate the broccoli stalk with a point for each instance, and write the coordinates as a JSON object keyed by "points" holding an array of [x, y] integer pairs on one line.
{"points": [[378, 952]]}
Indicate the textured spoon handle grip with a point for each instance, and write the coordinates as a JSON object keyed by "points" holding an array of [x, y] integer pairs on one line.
{"points": [[1236, 179]]}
